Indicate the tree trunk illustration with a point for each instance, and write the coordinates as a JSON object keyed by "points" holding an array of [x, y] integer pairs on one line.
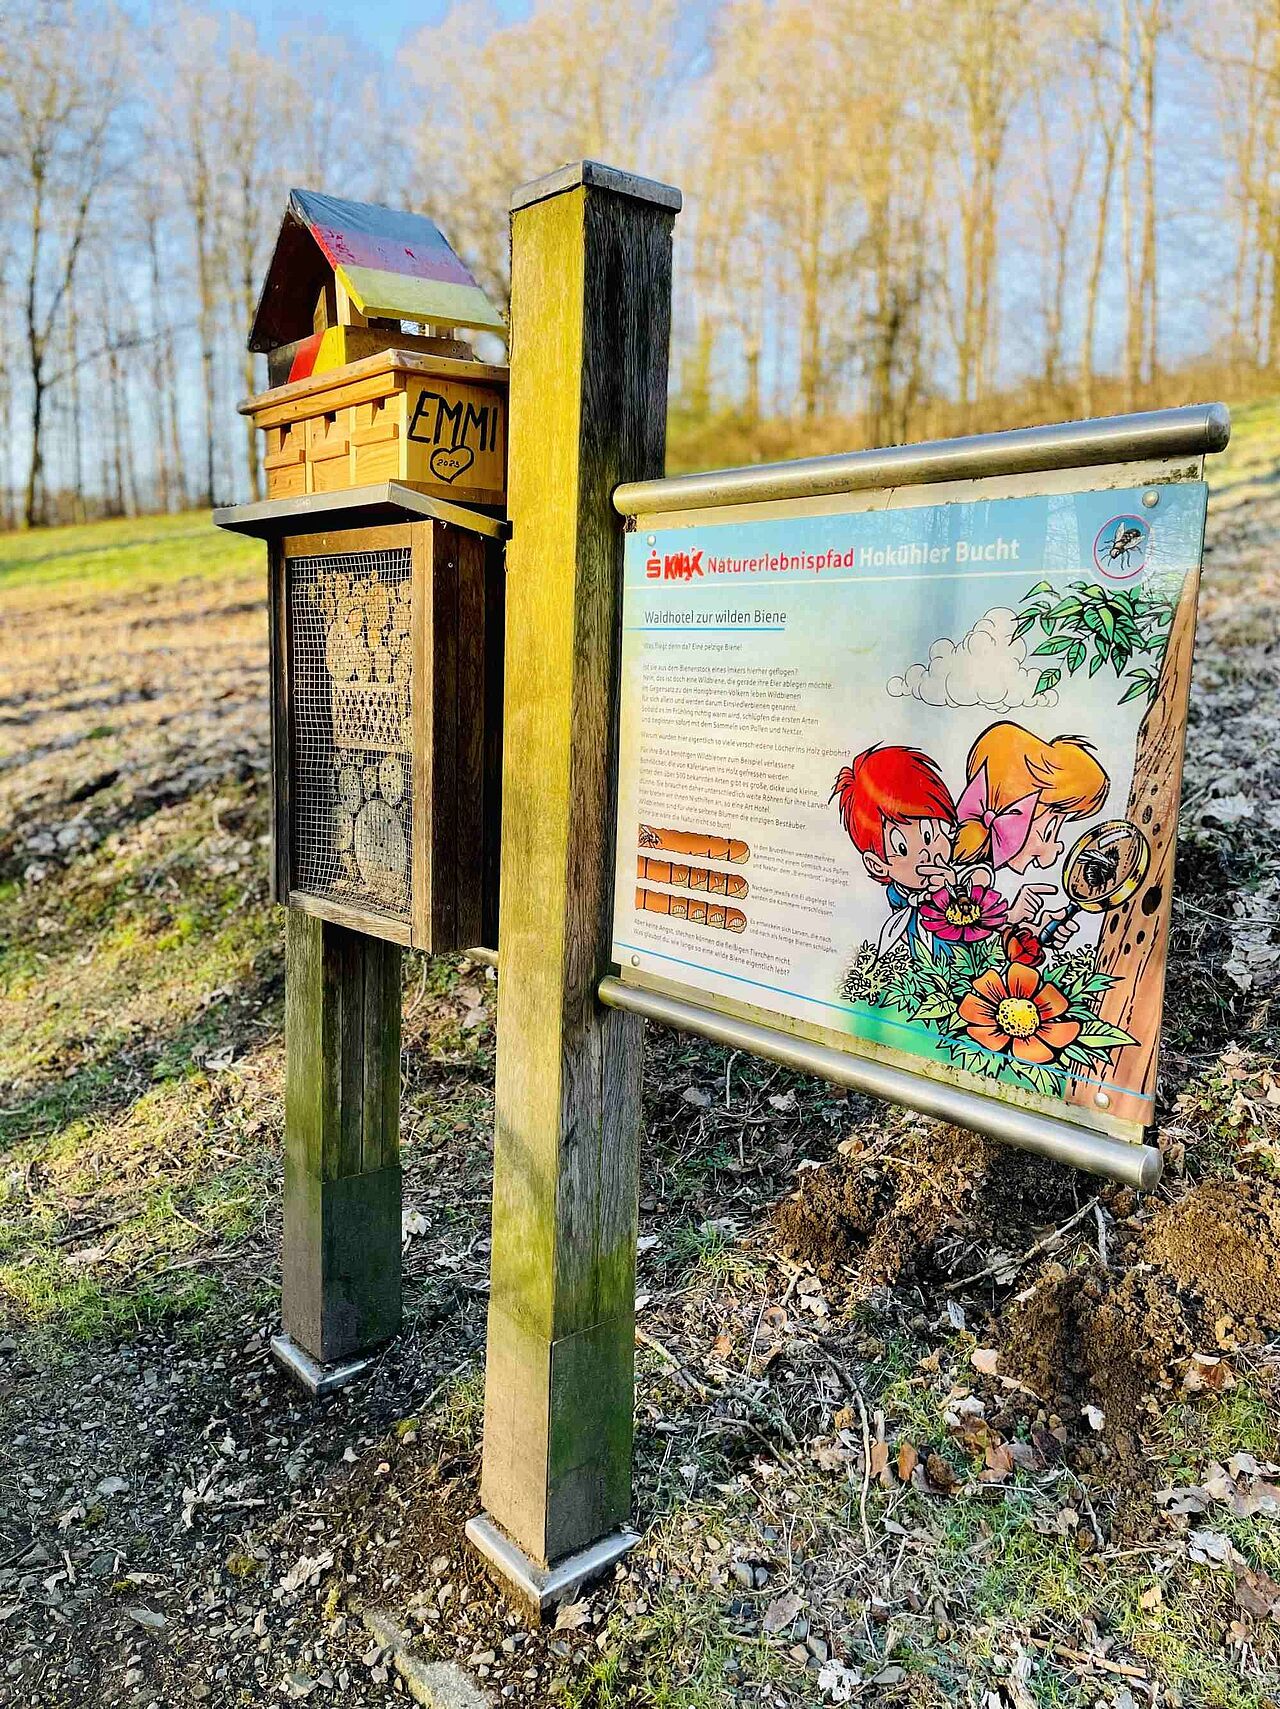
{"points": [[1133, 944]]}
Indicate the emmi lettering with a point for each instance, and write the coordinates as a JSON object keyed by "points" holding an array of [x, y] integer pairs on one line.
{"points": [[450, 424]]}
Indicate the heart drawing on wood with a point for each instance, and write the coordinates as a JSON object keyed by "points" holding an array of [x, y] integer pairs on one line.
{"points": [[448, 465]]}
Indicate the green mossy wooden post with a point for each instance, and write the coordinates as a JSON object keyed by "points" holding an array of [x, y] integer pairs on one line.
{"points": [[341, 1295], [590, 322]]}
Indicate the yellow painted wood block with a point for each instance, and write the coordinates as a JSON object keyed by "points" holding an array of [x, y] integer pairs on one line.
{"points": [[455, 437], [436, 424]]}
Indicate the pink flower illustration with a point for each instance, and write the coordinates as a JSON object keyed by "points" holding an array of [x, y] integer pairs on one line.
{"points": [[964, 913]]}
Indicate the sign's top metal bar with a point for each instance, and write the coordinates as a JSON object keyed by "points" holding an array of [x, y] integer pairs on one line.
{"points": [[1190, 431]]}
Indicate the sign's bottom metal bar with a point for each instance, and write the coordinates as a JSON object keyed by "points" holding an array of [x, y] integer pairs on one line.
{"points": [[1131, 1165]]}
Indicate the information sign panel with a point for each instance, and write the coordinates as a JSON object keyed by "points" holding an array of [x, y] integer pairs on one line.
{"points": [[907, 779]]}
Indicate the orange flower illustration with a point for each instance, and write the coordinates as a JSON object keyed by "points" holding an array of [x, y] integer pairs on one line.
{"points": [[1012, 1011]]}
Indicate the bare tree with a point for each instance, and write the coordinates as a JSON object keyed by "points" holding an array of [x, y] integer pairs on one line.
{"points": [[187, 79], [62, 89], [1151, 23], [575, 78], [986, 56], [8, 495], [1063, 144], [1240, 47], [1106, 117], [253, 115]]}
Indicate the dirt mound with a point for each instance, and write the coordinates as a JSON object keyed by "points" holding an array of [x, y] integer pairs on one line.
{"points": [[1205, 1278], [884, 1213], [1102, 1348], [1088, 1338], [1223, 1241], [878, 1213]]}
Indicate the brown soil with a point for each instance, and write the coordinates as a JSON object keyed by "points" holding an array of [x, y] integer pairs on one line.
{"points": [[879, 1214], [1223, 1241], [1090, 1338], [1202, 1276], [888, 1213]]}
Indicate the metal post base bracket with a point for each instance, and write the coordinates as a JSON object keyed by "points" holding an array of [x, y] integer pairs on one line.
{"points": [[539, 1589], [318, 1380]]}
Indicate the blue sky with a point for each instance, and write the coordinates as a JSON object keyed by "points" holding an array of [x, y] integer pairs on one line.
{"points": [[382, 26]]}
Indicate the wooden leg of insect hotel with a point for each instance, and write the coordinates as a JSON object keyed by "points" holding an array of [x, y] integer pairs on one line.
{"points": [[590, 313], [341, 1294]]}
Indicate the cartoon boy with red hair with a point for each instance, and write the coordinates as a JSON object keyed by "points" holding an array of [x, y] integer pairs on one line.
{"points": [[902, 820]]}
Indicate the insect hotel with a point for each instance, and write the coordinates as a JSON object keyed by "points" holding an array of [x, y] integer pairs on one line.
{"points": [[385, 464]]}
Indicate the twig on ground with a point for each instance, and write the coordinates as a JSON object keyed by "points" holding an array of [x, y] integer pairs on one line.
{"points": [[1013, 1265], [73, 1236], [677, 1365], [793, 1273], [852, 1389], [728, 1070], [720, 1390], [1103, 1662], [444, 1382], [412, 1010]]}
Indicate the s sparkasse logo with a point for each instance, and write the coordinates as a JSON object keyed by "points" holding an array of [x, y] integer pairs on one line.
{"points": [[673, 566]]}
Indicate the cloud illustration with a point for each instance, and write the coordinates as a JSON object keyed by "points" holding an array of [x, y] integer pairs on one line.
{"points": [[988, 667]]}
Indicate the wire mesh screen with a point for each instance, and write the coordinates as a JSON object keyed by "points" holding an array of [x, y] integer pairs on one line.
{"points": [[351, 675]]}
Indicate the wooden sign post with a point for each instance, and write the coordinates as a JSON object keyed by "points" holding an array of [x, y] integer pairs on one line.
{"points": [[341, 1291], [591, 307]]}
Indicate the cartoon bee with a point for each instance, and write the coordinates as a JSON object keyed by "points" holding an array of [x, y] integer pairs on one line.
{"points": [[1124, 542]]}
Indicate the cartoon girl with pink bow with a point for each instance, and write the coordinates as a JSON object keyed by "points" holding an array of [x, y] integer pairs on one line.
{"points": [[1021, 792]]}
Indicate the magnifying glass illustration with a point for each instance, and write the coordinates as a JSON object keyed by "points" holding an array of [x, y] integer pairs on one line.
{"points": [[1104, 868]]}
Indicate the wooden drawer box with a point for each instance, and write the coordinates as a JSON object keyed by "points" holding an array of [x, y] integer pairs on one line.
{"points": [[434, 424]]}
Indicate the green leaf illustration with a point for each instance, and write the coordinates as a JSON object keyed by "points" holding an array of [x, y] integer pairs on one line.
{"points": [[1099, 1035]]}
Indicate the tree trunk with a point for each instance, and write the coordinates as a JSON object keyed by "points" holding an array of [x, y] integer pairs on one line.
{"points": [[1134, 941], [1134, 340], [77, 425], [811, 312], [164, 489], [251, 444], [210, 415], [33, 506], [117, 437], [1095, 276], [1150, 43]]}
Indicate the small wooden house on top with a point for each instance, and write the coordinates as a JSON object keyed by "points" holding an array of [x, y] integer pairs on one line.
{"points": [[356, 399]]}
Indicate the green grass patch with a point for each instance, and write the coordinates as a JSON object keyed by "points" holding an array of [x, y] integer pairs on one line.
{"points": [[677, 1650], [458, 1411], [133, 552], [708, 1252], [1009, 1576], [130, 1168], [1213, 1427], [122, 974]]}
